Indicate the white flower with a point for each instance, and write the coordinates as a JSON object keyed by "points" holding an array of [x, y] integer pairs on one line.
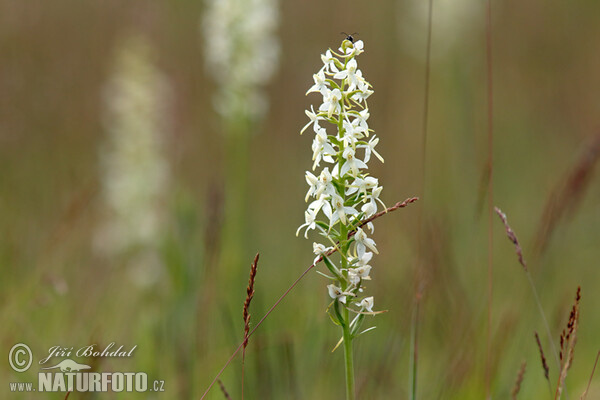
{"points": [[313, 183], [362, 185], [370, 148], [321, 202], [320, 250], [354, 49], [362, 242], [329, 60], [242, 52], [350, 74], [336, 293], [371, 227], [135, 171], [340, 211], [352, 133], [370, 207], [363, 271], [360, 96], [322, 149], [134, 179], [321, 85], [340, 189], [331, 102], [364, 260], [310, 218], [319, 186], [366, 304], [355, 275], [314, 119], [363, 89], [361, 120], [352, 163]]}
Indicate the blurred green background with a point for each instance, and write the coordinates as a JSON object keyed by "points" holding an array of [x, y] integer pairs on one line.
{"points": [[223, 199]]}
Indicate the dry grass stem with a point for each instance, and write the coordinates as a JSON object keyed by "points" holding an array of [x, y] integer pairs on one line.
{"points": [[512, 237], [517, 388], [246, 313], [400, 204], [568, 193], [224, 390], [249, 296], [568, 338], [543, 357]]}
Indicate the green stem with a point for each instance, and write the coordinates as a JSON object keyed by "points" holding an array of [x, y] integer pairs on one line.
{"points": [[348, 357]]}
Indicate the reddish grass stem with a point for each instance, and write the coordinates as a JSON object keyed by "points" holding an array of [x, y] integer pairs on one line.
{"points": [[330, 252]]}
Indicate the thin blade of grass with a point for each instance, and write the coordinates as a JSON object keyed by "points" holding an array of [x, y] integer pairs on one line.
{"points": [[584, 395]]}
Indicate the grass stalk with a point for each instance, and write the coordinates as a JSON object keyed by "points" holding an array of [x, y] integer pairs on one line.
{"points": [[513, 238], [584, 395], [414, 329], [490, 163], [414, 350], [544, 319]]}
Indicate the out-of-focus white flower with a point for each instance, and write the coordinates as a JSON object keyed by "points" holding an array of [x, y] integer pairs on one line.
{"points": [[133, 164], [242, 52]]}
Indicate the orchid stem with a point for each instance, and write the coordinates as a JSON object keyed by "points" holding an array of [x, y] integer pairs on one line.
{"points": [[348, 356]]}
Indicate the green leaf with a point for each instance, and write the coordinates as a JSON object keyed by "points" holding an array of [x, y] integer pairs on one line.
{"points": [[357, 323], [332, 268], [336, 305]]}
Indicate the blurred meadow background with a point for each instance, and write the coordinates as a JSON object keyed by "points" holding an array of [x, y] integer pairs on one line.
{"points": [[136, 188]]}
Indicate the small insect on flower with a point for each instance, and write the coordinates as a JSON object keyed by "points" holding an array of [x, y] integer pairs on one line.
{"points": [[349, 37]]}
